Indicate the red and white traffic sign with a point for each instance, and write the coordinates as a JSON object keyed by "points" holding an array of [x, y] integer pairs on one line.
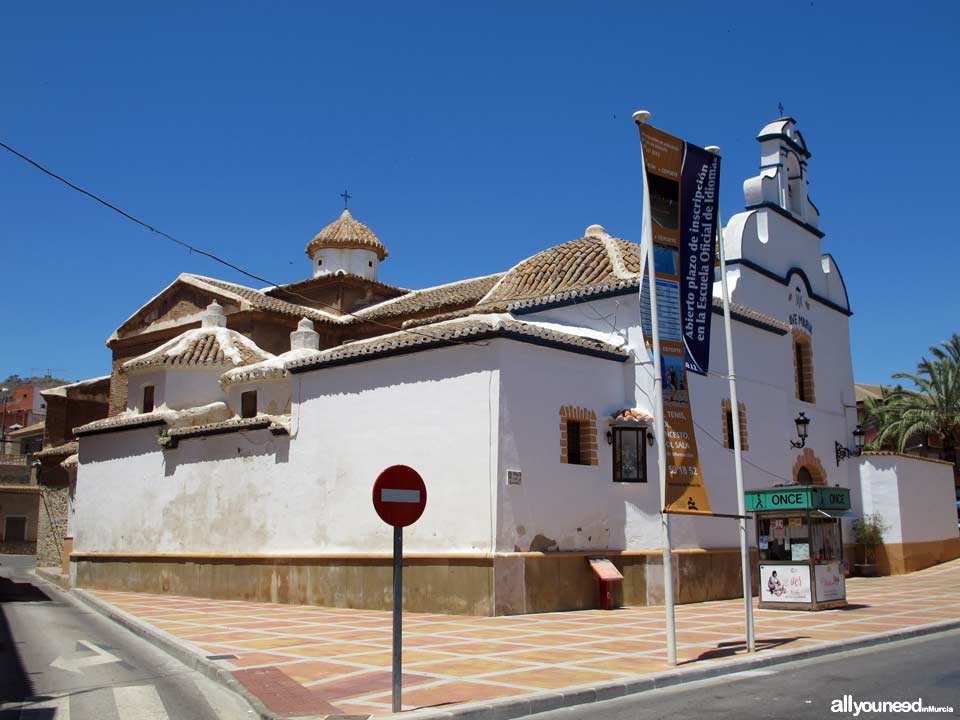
{"points": [[399, 495]]}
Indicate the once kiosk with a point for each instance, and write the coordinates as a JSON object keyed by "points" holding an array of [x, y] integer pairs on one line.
{"points": [[800, 545]]}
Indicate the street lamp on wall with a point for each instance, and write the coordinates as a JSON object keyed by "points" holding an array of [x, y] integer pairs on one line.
{"points": [[802, 421], [844, 452]]}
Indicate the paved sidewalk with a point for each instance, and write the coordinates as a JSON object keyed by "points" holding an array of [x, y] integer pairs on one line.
{"points": [[303, 660]]}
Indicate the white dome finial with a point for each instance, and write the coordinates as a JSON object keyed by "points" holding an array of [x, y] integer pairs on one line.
{"points": [[213, 316], [641, 116]]}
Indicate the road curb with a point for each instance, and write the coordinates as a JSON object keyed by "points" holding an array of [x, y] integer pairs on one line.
{"points": [[527, 704], [176, 650]]}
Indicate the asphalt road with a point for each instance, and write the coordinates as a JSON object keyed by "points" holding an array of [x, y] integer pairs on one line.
{"points": [[927, 668], [60, 660]]}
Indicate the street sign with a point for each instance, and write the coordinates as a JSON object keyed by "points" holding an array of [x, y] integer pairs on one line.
{"points": [[399, 496]]}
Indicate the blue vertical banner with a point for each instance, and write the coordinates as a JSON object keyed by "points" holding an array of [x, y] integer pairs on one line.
{"points": [[699, 198]]}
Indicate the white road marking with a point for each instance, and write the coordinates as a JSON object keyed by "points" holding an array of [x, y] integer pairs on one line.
{"points": [[752, 673], [72, 663], [399, 496], [139, 702]]}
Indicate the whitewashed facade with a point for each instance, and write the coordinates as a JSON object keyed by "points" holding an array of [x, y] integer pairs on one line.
{"points": [[474, 403]]}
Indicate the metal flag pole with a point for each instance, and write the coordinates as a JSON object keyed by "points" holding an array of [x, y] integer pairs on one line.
{"points": [[640, 117], [735, 419]]}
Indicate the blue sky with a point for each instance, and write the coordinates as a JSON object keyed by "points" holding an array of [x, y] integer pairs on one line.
{"points": [[471, 136]]}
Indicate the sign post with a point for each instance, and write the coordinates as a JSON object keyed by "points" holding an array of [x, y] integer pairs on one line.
{"points": [[399, 497]]}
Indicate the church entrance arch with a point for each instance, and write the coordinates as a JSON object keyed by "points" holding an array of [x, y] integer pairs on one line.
{"points": [[808, 470]]}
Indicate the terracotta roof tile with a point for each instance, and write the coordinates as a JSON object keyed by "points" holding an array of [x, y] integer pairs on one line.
{"points": [[205, 346], [594, 261], [462, 292]]}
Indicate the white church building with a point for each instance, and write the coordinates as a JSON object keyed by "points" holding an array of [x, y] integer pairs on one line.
{"points": [[239, 463]]}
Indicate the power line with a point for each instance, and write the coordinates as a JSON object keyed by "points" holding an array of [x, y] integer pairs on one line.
{"points": [[217, 258]]}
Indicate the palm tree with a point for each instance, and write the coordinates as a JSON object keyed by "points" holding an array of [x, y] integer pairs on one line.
{"points": [[933, 408]]}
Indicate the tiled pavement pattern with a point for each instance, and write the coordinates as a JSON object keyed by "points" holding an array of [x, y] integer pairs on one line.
{"points": [[304, 660]]}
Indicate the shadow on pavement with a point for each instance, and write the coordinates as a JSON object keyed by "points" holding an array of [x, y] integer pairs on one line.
{"points": [[729, 649], [15, 684], [12, 591]]}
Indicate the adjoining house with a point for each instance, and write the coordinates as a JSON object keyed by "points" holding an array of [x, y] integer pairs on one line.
{"points": [[247, 426], [55, 464], [19, 494]]}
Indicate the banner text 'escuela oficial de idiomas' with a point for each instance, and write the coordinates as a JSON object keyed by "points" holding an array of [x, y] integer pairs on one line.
{"points": [[684, 186]]}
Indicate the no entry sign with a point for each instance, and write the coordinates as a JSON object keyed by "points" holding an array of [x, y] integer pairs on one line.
{"points": [[399, 496]]}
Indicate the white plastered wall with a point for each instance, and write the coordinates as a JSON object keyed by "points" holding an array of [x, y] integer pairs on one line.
{"points": [[255, 492], [914, 497]]}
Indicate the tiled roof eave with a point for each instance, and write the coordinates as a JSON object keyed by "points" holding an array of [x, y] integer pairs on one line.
{"points": [[437, 336], [68, 448], [172, 438], [119, 423]]}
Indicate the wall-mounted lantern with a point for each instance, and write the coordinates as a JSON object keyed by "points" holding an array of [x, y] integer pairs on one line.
{"points": [[802, 421], [844, 452]]}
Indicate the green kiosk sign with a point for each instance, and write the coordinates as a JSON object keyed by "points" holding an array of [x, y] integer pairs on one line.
{"points": [[798, 497]]}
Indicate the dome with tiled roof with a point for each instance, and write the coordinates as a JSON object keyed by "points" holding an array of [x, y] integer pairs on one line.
{"points": [[346, 233], [593, 261]]}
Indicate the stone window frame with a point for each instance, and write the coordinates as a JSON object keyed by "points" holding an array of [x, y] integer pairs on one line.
{"points": [[805, 389], [586, 421], [726, 418]]}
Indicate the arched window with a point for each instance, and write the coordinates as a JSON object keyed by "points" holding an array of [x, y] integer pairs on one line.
{"points": [[804, 477]]}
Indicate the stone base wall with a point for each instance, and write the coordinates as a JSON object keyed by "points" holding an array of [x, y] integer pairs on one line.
{"points": [[18, 548], [901, 558], [502, 584], [52, 524]]}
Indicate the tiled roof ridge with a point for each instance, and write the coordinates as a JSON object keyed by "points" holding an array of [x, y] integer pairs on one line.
{"points": [[614, 251], [259, 300]]}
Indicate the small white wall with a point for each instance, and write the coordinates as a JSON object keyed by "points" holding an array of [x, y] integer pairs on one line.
{"points": [[364, 263], [176, 388], [273, 396], [915, 497]]}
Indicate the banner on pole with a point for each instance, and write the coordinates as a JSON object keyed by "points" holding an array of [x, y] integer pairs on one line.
{"points": [[684, 184]]}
